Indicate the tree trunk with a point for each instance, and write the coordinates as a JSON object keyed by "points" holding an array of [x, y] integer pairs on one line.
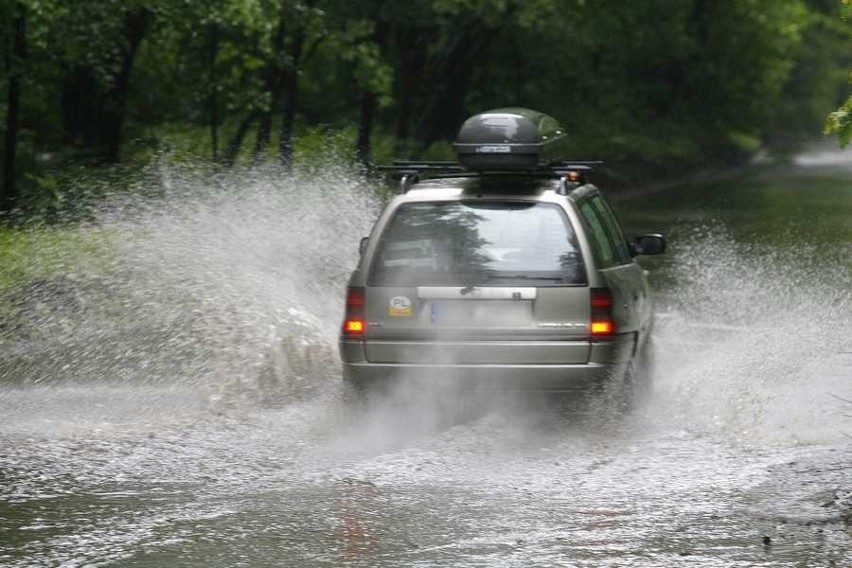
{"points": [[261, 142], [9, 196], [291, 93], [135, 25], [214, 91], [445, 108], [411, 57], [363, 147], [229, 158], [81, 103], [272, 84]]}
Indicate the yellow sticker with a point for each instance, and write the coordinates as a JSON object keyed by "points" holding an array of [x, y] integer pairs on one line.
{"points": [[400, 306]]}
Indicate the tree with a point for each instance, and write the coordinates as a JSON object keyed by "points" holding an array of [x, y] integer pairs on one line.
{"points": [[839, 122], [263, 46], [15, 56], [98, 42], [658, 81]]}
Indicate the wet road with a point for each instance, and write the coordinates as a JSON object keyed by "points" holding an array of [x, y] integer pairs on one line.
{"points": [[187, 411]]}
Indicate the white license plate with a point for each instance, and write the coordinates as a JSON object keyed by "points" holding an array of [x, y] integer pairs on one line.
{"points": [[481, 313]]}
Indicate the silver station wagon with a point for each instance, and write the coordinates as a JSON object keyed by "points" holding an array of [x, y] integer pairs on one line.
{"points": [[504, 271]]}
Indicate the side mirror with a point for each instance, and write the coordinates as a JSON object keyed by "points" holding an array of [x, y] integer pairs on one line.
{"points": [[362, 246], [648, 244]]}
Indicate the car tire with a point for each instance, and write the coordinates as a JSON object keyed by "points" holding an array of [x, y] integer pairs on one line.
{"points": [[630, 388], [637, 379], [621, 393]]}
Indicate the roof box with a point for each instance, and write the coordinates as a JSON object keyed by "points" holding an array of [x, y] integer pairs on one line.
{"points": [[508, 139]]}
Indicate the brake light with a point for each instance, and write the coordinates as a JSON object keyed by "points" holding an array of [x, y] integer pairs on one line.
{"points": [[354, 296], [354, 322], [602, 303]]}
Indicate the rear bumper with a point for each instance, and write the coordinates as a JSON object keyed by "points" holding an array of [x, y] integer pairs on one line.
{"points": [[527, 378], [606, 358]]}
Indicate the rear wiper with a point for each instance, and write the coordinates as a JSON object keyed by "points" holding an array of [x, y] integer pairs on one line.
{"points": [[472, 282], [527, 277]]}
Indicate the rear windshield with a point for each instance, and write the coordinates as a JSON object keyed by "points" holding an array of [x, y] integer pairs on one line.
{"points": [[474, 243]]}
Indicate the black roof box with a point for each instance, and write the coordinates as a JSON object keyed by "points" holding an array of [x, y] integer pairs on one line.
{"points": [[509, 139]]}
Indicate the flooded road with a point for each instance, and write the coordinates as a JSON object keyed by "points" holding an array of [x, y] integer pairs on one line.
{"points": [[172, 398]]}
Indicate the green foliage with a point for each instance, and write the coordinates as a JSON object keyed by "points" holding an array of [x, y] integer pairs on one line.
{"points": [[839, 122], [322, 145], [42, 253], [654, 81]]}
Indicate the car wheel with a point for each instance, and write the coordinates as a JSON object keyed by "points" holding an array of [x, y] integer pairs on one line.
{"points": [[621, 393], [637, 380], [630, 389]]}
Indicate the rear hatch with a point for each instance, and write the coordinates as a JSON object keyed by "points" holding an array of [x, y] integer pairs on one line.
{"points": [[485, 281]]}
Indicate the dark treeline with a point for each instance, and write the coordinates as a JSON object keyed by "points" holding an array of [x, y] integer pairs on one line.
{"points": [[241, 81]]}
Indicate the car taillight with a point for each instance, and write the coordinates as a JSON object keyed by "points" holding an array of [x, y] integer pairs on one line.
{"points": [[602, 303], [354, 322]]}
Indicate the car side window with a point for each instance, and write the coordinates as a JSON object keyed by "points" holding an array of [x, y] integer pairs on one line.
{"points": [[607, 238], [621, 252], [597, 234]]}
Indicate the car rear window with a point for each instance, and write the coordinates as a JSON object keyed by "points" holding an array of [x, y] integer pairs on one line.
{"points": [[474, 243]]}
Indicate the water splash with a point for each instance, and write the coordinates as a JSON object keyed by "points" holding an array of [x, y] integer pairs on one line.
{"points": [[230, 287], [754, 343], [231, 282], [827, 158]]}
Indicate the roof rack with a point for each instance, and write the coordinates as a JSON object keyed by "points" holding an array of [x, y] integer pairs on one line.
{"points": [[571, 172], [410, 171], [502, 142]]}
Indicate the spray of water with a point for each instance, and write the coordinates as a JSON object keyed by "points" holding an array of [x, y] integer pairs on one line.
{"points": [[753, 343], [260, 263], [225, 292], [226, 288]]}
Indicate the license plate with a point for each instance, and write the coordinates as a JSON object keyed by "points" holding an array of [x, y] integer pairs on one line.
{"points": [[473, 313]]}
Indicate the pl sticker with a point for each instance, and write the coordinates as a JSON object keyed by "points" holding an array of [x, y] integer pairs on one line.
{"points": [[400, 306]]}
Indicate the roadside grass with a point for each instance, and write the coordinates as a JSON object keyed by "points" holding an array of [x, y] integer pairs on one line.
{"points": [[43, 268], [48, 252]]}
